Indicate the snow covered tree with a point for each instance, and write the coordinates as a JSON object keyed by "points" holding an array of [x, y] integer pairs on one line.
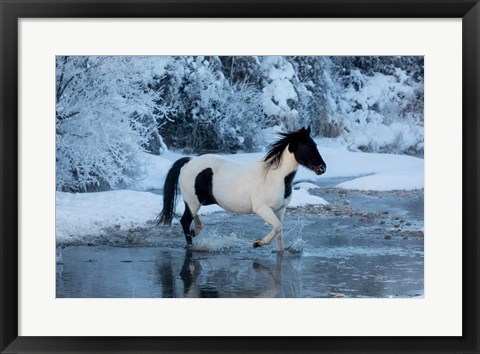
{"points": [[212, 114], [105, 115], [317, 106], [380, 102], [280, 98], [243, 69]]}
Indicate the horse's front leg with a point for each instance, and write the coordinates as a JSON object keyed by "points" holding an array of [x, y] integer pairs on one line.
{"points": [[267, 214]]}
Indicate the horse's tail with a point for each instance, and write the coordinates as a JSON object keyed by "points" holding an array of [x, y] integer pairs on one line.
{"points": [[170, 192]]}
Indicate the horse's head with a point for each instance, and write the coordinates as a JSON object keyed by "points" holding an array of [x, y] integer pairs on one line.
{"points": [[301, 145], [305, 151]]}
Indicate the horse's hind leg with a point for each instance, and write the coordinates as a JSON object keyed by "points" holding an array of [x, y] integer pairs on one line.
{"points": [[186, 221], [189, 215]]}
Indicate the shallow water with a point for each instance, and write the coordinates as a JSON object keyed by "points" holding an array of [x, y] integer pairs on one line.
{"points": [[361, 245]]}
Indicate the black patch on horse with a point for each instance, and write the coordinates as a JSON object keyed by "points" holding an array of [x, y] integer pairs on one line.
{"points": [[288, 184], [204, 187]]}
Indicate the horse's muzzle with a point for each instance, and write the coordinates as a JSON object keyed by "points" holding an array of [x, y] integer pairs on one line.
{"points": [[320, 170]]}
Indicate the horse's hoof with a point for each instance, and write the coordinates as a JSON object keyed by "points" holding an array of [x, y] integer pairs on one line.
{"points": [[257, 243]]}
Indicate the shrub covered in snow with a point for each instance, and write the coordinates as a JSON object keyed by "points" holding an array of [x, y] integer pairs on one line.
{"points": [[105, 115], [380, 112], [213, 112]]}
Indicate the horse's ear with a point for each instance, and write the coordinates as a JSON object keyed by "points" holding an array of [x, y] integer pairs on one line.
{"points": [[308, 130]]}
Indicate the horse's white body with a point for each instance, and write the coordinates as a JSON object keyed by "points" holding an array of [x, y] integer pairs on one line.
{"points": [[242, 188]]}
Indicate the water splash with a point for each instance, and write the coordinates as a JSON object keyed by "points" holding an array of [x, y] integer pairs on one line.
{"points": [[214, 241], [298, 242], [297, 246]]}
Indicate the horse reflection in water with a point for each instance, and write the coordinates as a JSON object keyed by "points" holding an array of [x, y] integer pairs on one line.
{"points": [[190, 278], [274, 277], [269, 284]]}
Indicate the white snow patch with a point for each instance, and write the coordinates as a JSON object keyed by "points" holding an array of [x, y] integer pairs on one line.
{"points": [[155, 169], [369, 171], [384, 182], [301, 197], [83, 214]]}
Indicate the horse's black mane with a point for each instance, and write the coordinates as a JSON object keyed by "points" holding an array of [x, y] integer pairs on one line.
{"points": [[274, 156]]}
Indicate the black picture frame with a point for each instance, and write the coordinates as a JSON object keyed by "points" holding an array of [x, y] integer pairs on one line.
{"points": [[11, 11]]}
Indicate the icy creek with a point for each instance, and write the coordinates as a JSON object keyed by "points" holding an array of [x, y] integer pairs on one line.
{"points": [[360, 244]]}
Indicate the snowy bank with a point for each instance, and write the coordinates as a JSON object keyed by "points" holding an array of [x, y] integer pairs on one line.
{"points": [[83, 214], [301, 197], [93, 214], [369, 171]]}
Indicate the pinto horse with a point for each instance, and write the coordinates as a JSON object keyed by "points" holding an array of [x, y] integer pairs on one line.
{"points": [[262, 187]]}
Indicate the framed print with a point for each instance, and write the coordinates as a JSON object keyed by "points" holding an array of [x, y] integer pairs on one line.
{"points": [[288, 177]]}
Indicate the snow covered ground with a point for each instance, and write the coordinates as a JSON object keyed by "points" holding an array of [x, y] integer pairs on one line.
{"points": [[83, 214], [79, 215]]}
